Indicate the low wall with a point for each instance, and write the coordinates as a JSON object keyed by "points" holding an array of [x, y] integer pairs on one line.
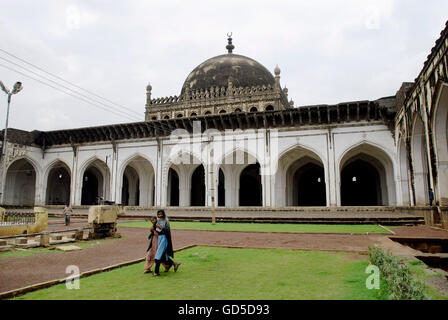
{"points": [[40, 224]]}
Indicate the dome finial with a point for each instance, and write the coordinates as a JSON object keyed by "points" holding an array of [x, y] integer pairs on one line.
{"points": [[277, 70], [230, 46]]}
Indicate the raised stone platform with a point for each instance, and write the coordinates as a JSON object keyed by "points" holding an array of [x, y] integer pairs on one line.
{"points": [[318, 215]]}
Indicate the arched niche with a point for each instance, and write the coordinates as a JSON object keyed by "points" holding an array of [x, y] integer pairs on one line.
{"points": [[138, 182], [58, 184], [95, 183], [367, 169], [20, 184]]}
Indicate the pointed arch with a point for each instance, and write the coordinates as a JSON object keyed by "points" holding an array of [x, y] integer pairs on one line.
{"points": [[366, 166], [177, 174], [301, 178], [21, 182], [94, 181], [420, 163], [58, 183], [439, 125], [137, 181]]}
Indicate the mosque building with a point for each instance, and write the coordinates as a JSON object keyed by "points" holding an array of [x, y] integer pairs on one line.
{"points": [[233, 138]]}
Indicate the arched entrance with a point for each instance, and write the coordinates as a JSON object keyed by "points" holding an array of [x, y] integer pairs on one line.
{"points": [[300, 179], [138, 183], [309, 185], [250, 193], [440, 137], [235, 167], [360, 184], [367, 177], [221, 189], [198, 187], [58, 185], [173, 188], [95, 183], [20, 184], [130, 191]]}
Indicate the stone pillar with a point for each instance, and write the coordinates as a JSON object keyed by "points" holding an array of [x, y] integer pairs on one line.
{"points": [[421, 189], [74, 176], [41, 218], [405, 199], [161, 188], [184, 189], [332, 177], [45, 239], [442, 183], [79, 234]]}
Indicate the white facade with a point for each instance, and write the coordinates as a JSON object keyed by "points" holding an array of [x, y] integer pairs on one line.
{"points": [[148, 162]]}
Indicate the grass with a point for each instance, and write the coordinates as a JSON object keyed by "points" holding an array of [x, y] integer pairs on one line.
{"points": [[417, 269], [33, 251], [266, 227], [223, 273]]}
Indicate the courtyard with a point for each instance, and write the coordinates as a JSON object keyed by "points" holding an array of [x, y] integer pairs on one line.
{"points": [[226, 261]]}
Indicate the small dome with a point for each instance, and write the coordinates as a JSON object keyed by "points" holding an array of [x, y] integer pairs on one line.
{"points": [[217, 71]]}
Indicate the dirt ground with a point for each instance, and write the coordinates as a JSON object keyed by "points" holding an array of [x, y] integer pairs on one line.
{"points": [[17, 272]]}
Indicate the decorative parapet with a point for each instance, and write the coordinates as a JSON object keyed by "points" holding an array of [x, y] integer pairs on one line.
{"points": [[218, 93]]}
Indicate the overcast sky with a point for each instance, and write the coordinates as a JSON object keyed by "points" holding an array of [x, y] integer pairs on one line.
{"points": [[328, 51]]}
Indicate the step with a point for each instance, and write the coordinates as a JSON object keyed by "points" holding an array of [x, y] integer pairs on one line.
{"points": [[21, 240], [56, 236]]}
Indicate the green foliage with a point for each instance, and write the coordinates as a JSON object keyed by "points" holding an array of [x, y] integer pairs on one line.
{"points": [[401, 285]]}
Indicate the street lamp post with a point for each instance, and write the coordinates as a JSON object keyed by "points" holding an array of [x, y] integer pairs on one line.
{"points": [[16, 89]]}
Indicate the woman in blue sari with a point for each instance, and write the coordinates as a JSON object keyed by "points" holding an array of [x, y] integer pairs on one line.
{"points": [[165, 251]]}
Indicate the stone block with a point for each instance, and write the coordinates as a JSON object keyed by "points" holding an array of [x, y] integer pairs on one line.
{"points": [[79, 234], [70, 235], [103, 214], [21, 240], [56, 236], [68, 248], [444, 218], [45, 239]]}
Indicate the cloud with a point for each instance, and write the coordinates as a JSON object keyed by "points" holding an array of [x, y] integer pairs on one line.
{"points": [[328, 51]]}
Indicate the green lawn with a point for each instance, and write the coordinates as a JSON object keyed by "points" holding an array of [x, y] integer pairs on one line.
{"points": [[224, 273], [266, 227]]}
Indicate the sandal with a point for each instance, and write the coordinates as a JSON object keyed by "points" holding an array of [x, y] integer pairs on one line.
{"points": [[176, 266]]}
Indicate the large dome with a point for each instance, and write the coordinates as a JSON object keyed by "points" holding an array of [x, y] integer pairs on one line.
{"points": [[216, 71]]}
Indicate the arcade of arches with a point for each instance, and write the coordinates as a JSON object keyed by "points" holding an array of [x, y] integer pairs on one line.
{"points": [[366, 179]]}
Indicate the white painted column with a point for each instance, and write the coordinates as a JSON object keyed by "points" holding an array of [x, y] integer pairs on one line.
{"points": [[39, 191], [421, 189], [74, 177], [332, 177], [161, 189], [184, 187]]}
